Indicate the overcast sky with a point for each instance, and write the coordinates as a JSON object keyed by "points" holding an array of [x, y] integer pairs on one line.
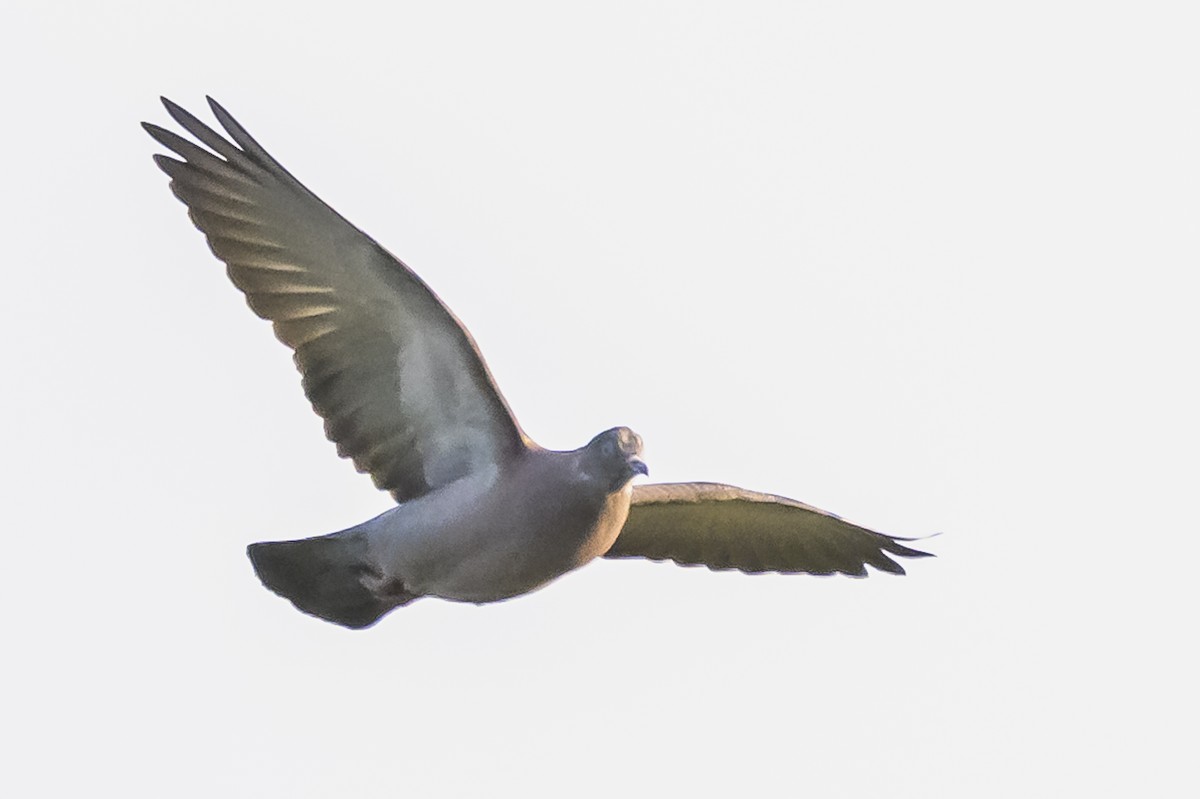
{"points": [[928, 265]]}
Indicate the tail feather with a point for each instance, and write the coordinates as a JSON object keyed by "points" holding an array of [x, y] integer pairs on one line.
{"points": [[324, 577]]}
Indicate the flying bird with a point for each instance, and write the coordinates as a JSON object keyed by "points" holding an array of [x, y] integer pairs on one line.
{"points": [[483, 513]]}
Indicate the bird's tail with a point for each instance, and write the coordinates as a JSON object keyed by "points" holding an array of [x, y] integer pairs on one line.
{"points": [[324, 576]]}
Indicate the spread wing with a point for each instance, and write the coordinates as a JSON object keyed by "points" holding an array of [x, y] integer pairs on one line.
{"points": [[723, 527], [402, 388]]}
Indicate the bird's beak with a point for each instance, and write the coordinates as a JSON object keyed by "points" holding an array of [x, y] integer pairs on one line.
{"points": [[638, 466]]}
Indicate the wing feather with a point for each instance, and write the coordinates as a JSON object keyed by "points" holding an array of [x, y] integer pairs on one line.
{"points": [[402, 388], [723, 527]]}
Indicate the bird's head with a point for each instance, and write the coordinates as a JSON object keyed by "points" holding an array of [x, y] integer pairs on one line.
{"points": [[616, 455]]}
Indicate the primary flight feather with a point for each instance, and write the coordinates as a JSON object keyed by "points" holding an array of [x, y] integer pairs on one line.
{"points": [[485, 513]]}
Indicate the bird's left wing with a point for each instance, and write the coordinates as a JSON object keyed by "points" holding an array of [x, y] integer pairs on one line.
{"points": [[400, 383], [723, 527]]}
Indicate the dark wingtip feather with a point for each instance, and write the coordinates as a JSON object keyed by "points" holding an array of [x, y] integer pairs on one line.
{"points": [[250, 147], [169, 165], [892, 544], [224, 117], [159, 134], [174, 109], [907, 552], [235, 129]]}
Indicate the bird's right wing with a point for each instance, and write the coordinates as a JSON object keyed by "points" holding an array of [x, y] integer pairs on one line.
{"points": [[400, 383], [723, 527]]}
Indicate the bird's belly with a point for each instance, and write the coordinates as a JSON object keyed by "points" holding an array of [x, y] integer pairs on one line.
{"points": [[505, 563], [484, 557], [492, 575]]}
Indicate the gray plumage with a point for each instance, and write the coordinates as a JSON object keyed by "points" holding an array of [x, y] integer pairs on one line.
{"points": [[485, 513]]}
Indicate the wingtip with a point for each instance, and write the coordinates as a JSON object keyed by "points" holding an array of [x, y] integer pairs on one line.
{"points": [[226, 119], [898, 548], [909, 552], [179, 113], [158, 133], [170, 166]]}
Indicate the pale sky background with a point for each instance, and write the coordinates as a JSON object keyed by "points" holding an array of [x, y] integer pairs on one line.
{"points": [[928, 265]]}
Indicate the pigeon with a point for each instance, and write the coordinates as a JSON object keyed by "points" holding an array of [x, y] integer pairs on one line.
{"points": [[484, 513]]}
